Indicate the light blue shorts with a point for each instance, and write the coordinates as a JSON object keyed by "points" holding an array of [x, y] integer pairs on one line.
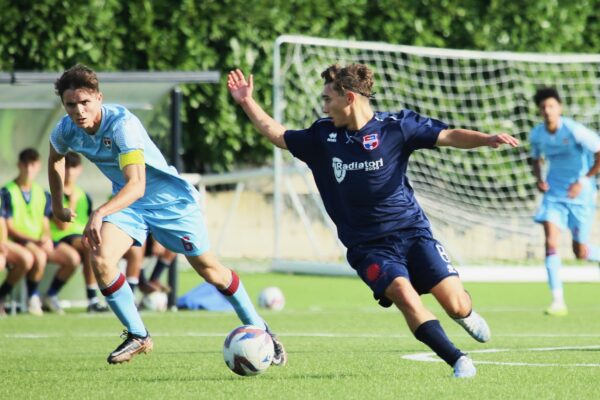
{"points": [[179, 226], [578, 218]]}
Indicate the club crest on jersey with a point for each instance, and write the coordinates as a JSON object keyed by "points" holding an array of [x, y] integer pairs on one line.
{"points": [[370, 142], [107, 143]]}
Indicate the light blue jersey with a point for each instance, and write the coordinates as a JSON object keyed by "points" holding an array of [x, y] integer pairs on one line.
{"points": [[120, 133], [169, 208], [570, 154]]}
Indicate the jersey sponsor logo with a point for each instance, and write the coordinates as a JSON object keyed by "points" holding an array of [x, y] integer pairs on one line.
{"points": [[370, 142], [332, 137], [107, 143], [340, 168]]}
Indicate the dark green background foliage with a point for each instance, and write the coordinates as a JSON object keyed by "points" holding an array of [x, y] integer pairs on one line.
{"points": [[111, 35]]}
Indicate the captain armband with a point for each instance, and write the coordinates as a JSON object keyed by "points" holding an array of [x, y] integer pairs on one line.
{"points": [[131, 158]]}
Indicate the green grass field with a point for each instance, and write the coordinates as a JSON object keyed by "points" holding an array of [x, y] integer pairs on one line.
{"points": [[341, 346]]}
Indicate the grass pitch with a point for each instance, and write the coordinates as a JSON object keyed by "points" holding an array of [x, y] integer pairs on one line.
{"points": [[341, 346]]}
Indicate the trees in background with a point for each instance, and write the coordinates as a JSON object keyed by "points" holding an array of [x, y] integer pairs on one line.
{"points": [[110, 35]]}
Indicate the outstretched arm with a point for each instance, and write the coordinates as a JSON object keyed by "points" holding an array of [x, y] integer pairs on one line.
{"points": [[241, 91], [468, 139]]}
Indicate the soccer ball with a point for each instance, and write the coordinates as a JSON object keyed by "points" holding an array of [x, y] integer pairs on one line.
{"points": [[248, 350], [155, 301], [271, 298]]}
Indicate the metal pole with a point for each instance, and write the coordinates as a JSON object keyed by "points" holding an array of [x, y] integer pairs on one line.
{"points": [[176, 100]]}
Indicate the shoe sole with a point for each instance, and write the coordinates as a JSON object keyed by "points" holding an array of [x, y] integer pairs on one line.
{"points": [[146, 348]]}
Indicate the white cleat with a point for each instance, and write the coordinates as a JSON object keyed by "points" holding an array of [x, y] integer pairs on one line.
{"points": [[51, 303], [34, 306], [476, 326], [557, 309], [464, 368]]}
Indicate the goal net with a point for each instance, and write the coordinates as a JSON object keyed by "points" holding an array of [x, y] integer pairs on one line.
{"points": [[480, 202]]}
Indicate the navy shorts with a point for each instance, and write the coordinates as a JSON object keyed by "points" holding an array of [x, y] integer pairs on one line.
{"points": [[413, 254]]}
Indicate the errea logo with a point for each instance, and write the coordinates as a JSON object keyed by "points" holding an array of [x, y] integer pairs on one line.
{"points": [[340, 168], [332, 137]]}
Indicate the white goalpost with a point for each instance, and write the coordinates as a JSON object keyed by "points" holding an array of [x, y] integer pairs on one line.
{"points": [[480, 202]]}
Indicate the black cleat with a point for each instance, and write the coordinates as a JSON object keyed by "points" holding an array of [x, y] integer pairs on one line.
{"points": [[131, 346], [97, 308], [280, 357]]}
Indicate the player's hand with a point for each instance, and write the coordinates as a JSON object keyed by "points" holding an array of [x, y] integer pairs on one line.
{"points": [[503, 138], [3, 249], [91, 233], [65, 214], [45, 243], [575, 189], [240, 89], [543, 186]]}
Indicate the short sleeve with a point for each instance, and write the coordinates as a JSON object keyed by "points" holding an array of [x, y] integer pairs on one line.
{"points": [[57, 139], [586, 138], [48, 206], [6, 203], [302, 143], [420, 132], [129, 135]]}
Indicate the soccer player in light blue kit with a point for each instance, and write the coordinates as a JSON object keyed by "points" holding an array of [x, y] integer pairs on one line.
{"points": [[569, 187], [148, 196], [359, 159]]}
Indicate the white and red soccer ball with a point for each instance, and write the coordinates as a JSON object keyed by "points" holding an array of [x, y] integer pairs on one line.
{"points": [[271, 298], [248, 350]]}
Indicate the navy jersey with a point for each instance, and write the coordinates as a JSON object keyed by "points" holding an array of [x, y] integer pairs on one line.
{"points": [[362, 175]]}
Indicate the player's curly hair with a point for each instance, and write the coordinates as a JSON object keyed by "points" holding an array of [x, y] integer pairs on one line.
{"points": [[77, 77], [545, 93], [356, 78]]}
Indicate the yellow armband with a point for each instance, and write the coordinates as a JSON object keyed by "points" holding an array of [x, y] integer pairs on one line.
{"points": [[133, 157]]}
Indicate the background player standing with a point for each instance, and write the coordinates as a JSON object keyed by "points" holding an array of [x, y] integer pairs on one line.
{"points": [[359, 159], [569, 187], [148, 195]]}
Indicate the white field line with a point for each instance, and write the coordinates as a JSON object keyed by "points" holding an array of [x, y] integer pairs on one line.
{"points": [[431, 357]]}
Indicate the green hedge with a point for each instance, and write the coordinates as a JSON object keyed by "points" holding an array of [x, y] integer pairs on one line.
{"points": [[222, 34]]}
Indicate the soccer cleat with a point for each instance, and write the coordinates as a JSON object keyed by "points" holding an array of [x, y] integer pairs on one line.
{"points": [[280, 357], [34, 306], [476, 326], [557, 310], [132, 345], [96, 307], [464, 368], [51, 303]]}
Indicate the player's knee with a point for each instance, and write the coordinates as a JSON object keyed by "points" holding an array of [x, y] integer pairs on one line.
{"points": [[404, 298], [25, 261]]}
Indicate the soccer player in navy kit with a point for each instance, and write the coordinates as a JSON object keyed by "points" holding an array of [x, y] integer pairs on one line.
{"points": [[573, 152], [358, 158]]}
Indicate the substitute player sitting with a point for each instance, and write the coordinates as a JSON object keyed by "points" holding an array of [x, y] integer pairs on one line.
{"points": [[149, 195], [569, 187], [359, 158]]}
